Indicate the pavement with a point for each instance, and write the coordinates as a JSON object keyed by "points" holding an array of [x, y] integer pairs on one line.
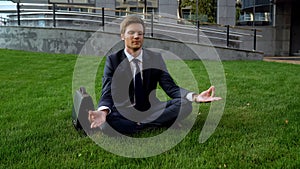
{"points": [[284, 59]]}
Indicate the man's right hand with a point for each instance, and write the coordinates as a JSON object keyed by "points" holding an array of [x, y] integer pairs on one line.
{"points": [[97, 118]]}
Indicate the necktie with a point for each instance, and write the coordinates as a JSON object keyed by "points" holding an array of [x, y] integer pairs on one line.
{"points": [[138, 88]]}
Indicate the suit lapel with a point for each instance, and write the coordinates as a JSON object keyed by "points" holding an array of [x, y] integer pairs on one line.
{"points": [[124, 73], [147, 65], [124, 65]]}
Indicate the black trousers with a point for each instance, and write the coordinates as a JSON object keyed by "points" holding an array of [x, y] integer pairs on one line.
{"points": [[172, 109]]}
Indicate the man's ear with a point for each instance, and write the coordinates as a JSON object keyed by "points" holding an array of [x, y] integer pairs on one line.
{"points": [[122, 36]]}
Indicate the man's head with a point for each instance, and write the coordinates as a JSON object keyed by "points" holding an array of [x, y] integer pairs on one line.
{"points": [[131, 19], [132, 31]]}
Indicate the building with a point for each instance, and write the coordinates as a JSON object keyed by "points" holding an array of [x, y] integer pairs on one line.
{"points": [[256, 13], [276, 20], [143, 6], [165, 6], [279, 22]]}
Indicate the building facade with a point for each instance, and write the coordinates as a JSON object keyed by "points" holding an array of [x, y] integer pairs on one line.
{"points": [[142, 6], [279, 22], [256, 12]]}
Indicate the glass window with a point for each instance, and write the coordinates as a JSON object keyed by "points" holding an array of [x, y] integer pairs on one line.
{"points": [[121, 12]]}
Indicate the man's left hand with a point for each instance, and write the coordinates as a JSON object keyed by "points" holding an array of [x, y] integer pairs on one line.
{"points": [[206, 96]]}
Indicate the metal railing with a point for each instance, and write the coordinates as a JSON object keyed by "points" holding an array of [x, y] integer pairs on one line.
{"points": [[52, 15]]}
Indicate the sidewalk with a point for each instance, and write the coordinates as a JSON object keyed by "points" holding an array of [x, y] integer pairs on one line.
{"points": [[285, 59]]}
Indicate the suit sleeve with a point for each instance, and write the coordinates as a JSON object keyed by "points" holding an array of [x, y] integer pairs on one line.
{"points": [[106, 98], [168, 85]]}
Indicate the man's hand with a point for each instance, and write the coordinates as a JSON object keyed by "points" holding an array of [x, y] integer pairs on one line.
{"points": [[206, 96], [97, 118]]}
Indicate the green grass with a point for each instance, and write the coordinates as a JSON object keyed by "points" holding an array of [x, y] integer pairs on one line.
{"points": [[259, 128]]}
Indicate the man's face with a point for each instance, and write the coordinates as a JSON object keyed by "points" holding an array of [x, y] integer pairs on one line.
{"points": [[133, 37]]}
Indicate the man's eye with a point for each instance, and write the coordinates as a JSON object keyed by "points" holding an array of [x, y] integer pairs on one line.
{"points": [[132, 33]]}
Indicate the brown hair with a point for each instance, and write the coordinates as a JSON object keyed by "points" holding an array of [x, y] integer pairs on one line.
{"points": [[131, 19]]}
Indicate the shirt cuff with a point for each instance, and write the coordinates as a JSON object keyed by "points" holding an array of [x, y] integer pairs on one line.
{"points": [[104, 108], [189, 96]]}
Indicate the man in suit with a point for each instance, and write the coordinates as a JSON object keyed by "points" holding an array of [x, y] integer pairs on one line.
{"points": [[128, 101]]}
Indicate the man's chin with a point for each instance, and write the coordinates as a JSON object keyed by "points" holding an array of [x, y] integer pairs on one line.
{"points": [[136, 48]]}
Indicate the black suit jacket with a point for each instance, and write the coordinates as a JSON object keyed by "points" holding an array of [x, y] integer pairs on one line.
{"points": [[117, 88]]}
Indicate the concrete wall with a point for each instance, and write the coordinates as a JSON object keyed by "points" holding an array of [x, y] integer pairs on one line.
{"points": [[168, 6], [100, 43], [106, 4], [226, 12], [276, 40], [283, 29], [265, 43], [295, 29]]}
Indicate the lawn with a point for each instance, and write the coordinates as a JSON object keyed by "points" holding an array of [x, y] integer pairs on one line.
{"points": [[259, 128]]}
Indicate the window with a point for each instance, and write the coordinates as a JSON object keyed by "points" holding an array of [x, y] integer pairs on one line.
{"points": [[121, 12]]}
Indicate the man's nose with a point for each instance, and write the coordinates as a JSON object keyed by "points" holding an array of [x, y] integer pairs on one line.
{"points": [[136, 35]]}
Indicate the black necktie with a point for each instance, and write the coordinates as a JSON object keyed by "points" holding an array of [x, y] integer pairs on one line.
{"points": [[138, 88]]}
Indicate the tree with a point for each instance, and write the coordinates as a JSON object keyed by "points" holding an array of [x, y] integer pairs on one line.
{"points": [[238, 6], [205, 8]]}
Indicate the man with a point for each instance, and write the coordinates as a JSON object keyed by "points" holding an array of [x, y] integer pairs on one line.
{"points": [[128, 101]]}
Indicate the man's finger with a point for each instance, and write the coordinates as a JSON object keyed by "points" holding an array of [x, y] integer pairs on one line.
{"points": [[212, 91], [94, 125], [217, 98], [90, 116]]}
